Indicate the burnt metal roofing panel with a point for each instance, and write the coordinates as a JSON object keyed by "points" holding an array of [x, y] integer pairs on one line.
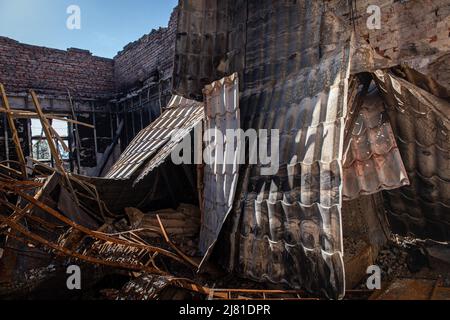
{"points": [[421, 123], [220, 175], [373, 162], [180, 115], [291, 222], [289, 227], [201, 45], [293, 62]]}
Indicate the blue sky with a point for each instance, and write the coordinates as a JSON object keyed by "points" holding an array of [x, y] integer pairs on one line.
{"points": [[106, 25]]}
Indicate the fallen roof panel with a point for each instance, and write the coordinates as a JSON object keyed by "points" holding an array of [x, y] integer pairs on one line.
{"points": [[180, 116], [290, 223], [285, 228]]}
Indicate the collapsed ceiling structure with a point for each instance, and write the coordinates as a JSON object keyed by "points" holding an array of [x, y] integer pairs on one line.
{"points": [[363, 123]]}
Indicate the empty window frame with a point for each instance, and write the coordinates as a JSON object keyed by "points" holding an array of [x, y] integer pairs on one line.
{"points": [[40, 147]]}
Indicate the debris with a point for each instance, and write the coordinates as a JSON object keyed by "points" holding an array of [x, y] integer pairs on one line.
{"points": [[392, 261], [151, 287], [413, 289], [183, 222], [362, 137]]}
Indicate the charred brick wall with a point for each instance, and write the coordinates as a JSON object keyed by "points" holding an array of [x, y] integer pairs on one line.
{"points": [[409, 29], [24, 67], [148, 59]]}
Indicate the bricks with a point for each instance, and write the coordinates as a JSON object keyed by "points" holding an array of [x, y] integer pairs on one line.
{"points": [[154, 53], [24, 67], [52, 71], [410, 30]]}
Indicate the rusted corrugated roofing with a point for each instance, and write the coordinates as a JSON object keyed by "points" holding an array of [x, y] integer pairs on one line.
{"points": [[220, 176], [373, 162], [421, 123], [177, 121]]}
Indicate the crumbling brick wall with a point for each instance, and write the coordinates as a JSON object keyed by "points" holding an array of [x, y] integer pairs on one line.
{"points": [[24, 67], [139, 79], [148, 59]]}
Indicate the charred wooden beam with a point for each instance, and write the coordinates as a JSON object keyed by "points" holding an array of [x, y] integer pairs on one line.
{"points": [[15, 135]]}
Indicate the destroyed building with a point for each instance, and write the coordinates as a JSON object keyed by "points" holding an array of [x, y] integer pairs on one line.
{"points": [[363, 116]]}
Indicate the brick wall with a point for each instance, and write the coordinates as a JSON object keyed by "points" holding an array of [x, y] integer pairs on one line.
{"points": [[413, 32], [141, 61], [92, 81], [24, 67]]}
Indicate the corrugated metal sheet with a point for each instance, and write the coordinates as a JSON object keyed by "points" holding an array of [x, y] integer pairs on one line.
{"points": [[201, 45], [291, 57], [421, 123], [294, 59], [194, 119], [290, 225], [177, 120], [220, 177], [373, 162]]}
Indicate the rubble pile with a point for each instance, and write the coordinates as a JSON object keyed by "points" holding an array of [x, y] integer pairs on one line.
{"points": [[393, 261], [405, 257]]}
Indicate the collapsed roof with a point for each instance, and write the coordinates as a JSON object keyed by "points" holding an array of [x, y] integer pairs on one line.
{"points": [[355, 116]]}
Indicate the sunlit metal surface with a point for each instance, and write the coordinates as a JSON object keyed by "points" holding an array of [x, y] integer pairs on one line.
{"points": [[220, 177], [373, 162], [181, 115]]}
